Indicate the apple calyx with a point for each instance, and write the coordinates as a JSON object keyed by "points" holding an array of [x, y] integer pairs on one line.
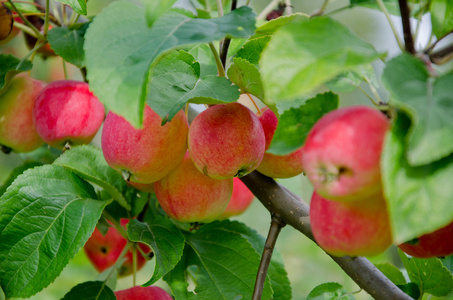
{"points": [[5, 149], [126, 175]]}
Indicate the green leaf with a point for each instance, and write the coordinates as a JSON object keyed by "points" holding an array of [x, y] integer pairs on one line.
{"points": [[307, 53], [294, 124], [120, 49], [46, 216], [441, 17], [79, 6], [329, 291], [429, 274], [272, 26], [247, 76], [348, 81], [418, 198], [429, 103], [164, 238], [16, 172], [448, 262], [392, 273], [391, 5], [90, 290], [411, 289], [177, 279], [24, 7], [68, 43], [2, 294], [176, 81], [10, 66], [155, 8], [252, 50], [88, 162], [203, 55]]}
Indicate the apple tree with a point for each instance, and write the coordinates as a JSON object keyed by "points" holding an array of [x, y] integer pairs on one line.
{"points": [[162, 183]]}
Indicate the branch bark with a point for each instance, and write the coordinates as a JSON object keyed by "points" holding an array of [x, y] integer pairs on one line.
{"points": [[294, 212], [405, 19]]}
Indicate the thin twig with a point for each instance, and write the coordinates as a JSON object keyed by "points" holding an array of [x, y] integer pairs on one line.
{"points": [[270, 7], [220, 7], [441, 56], [392, 25], [405, 19], [218, 62], [225, 43]]}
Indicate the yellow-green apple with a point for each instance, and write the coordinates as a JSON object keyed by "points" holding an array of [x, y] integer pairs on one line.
{"points": [[6, 21], [277, 166], [144, 187], [435, 244], [187, 195], [240, 200], [143, 293], [147, 154], [104, 250], [342, 152], [31, 41], [355, 228], [17, 131], [226, 140], [67, 113]]}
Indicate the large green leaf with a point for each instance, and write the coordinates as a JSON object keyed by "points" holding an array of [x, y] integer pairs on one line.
{"points": [[247, 76], [294, 124], [79, 6], [88, 162], [429, 274], [68, 43], [272, 26], [120, 49], [155, 8], [252, 50], [10, 66], [46, 216], [90, 290], [176, 81], [419, 198], [305, 54], [428, 101], [391, 5], [392, 273], [441, 17], [164, 238], [16, 172]]}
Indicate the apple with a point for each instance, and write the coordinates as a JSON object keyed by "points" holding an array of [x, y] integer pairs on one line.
{"points": [[6, 21], [143, 187], [342, 152], [435, 244], [240, 200], [226, 140], [31, 41], [17, 131], [104, 250], [355, 228], [187, 195], [66, 113], [148, 154], [143, 293], [277, 166]]}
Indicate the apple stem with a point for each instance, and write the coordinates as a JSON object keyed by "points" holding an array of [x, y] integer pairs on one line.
{"points": [[254, 103], [276, 225]]}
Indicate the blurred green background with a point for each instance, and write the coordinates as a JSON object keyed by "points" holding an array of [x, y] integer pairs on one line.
{"points": [[306, 264]]}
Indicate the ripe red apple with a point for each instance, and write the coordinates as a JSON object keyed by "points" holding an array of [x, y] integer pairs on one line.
{"points": [[66, 111], [143, 293], [355, 228], [277, 166], [17, 131], [30, 40], [240, 200], [435, 244], [146, 154], [104, 250], [226, 140], [342, 152], [187, 195]]}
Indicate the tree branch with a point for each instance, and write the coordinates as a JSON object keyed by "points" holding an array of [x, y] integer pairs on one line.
{"points": [[441, 56], [225, 44], [295, 212], [405, 19]]}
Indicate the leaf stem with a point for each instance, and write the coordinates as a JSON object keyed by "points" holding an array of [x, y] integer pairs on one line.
{"points": [[270, 7], [405, 19], [115, 223], [373, 89], [218, 62], [367, 95], [220, 8], [392, 25], [254, 103], [320, 11], [46, 20], [134, 264], [225, 43], [65, 70]]}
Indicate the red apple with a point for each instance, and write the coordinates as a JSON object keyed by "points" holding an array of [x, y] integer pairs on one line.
{"points": [[66, 111], [342, 152], [17, 131], [355, 228], [143, 293], [187, 195], [435, 244], [226, 140], [146, 154], [277, 166], [104, 250], [240, 200]]}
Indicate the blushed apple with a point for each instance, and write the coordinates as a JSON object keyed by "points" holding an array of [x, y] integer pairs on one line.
{"points": [[187, 195], [277, 166], [143, 293], [226, 140], [146, 154], [17, 131], [342, 153], [355, 228], [240, 200]]}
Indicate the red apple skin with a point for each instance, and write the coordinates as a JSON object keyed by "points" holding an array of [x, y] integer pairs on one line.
{"points": [[66, 111], [277, 166], [187, 195], [342, 152], [436, 244], [104, 250], [359, 228], [17, 130], [149, 153], [226, 140], [143, 293], [240, 200]]}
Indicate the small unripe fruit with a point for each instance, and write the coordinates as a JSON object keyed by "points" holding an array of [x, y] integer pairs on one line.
{"points": [[143, 293], [6, 21], [240, 200]]}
